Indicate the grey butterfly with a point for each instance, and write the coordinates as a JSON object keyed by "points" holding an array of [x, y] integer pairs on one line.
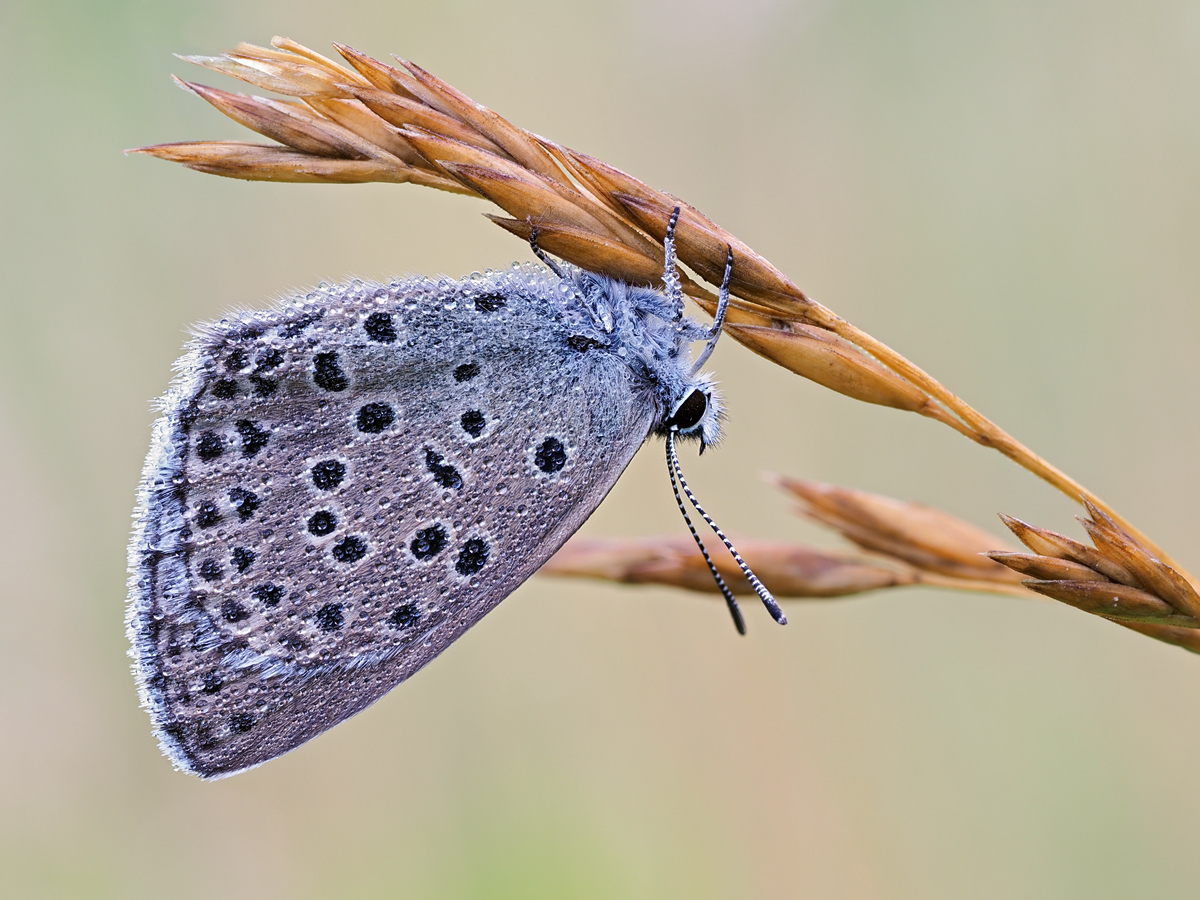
{"points": [[340, 486]]}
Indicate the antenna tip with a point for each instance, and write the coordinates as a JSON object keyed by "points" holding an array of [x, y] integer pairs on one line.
{"points": [[775, 611]]}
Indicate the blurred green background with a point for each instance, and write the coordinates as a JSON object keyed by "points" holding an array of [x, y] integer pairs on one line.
{"points": [[1006, 192]]}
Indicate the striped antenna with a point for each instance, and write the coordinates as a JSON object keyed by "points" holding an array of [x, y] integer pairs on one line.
{"points": [[759, 588]]}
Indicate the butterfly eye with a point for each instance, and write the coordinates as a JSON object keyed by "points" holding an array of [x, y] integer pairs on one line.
{"points": [[690, 412]]}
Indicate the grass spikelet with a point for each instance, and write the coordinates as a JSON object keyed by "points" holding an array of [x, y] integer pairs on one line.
{"points": [[1119, 579]]}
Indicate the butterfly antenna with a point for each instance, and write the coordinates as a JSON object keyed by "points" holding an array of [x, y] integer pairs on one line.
{"points": [[759, 588], [672, 285], [719, 319], [540, 253], [731, 601]]}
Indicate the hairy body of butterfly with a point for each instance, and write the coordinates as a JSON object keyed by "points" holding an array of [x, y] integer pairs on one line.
{"points": [[339, 487]]}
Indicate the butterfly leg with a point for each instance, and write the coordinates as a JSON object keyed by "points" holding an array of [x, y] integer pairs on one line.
{"points": [[719, 318], [549, 263], [672, 286]]}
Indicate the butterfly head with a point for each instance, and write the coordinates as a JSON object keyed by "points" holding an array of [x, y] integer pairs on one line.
{"points": [[696, 413]]}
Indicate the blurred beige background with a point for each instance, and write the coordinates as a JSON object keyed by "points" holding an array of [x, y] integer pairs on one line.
{"points": [[1008, 193]]}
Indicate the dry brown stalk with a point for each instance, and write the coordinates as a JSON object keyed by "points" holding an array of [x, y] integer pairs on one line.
{"points": [[370, 121], [906, 544], [791, 570]]}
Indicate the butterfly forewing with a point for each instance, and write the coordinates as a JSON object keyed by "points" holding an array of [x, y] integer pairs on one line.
{"points": [[342, 486]]}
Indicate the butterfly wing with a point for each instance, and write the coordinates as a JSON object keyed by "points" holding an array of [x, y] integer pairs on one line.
{"points": [[341, 487]]}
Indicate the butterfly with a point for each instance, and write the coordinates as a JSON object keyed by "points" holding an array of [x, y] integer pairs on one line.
{"points": [[340, 486]]}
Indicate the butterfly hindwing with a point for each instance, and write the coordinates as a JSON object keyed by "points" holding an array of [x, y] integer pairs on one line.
{"points": [[340, 487]]}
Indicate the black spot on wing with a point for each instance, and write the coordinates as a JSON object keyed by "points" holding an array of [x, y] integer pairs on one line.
{"points": [[268, 360], [263, 387], [225, 389], [379, 327], [244, 502], [236, 360], [445, 475], [466, 372], [551, 456], [329, 617], [473, 422], [253, 437], [209, 446], [375, 417], [405, 616], [473, 557], [207, 514], [428, 542], [328, 374], [490, 302], [350, 549], [268, 594], [242, 557], [232, 611], [321, 523], [328, 474]]}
